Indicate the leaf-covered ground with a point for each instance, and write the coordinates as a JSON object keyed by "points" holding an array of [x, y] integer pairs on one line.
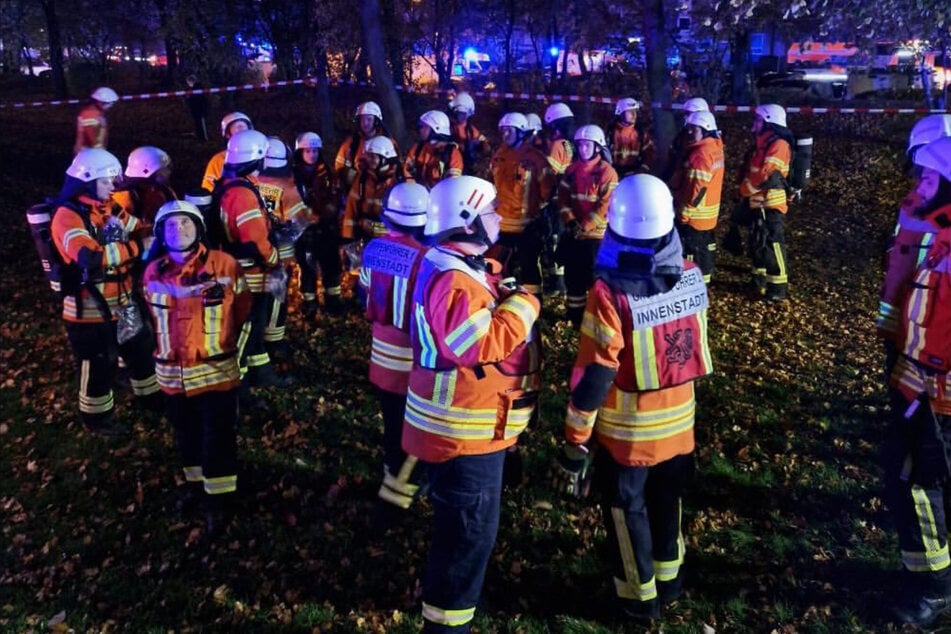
{"points": [[785, 525]]}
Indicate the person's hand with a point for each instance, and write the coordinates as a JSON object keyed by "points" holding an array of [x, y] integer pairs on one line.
{"points": [[570, 472]]}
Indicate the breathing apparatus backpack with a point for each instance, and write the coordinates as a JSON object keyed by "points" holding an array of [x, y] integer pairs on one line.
{"points": [[800, 163]]}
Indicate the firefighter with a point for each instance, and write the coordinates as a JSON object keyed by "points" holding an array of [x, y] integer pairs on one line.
{"points": [[146, 186], [697, 185], [583, 196], [560, 123], [912, 239], [632, 389], [435, 156], [524, 185], [289, 216], [369, 118], [475, 146], [535, 136], [678, 147], [388, 276], [91, 126], [319, 246], [472, 391], [379, 170], [632, 147], [199, 300], [231, 124], [763, 198], [916, 469], [96, 246], [246, 227]]}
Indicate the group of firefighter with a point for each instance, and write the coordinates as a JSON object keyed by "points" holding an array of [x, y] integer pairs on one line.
{"points": [[190, 294]]}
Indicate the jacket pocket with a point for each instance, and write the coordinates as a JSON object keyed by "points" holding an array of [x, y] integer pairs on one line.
{"points": [[515, 409]]}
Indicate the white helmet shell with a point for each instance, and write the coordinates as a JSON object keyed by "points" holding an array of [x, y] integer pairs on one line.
{"points": [[276, 155], [534, 122], [703, 120], [406, 204], [308, 141], [246, 146], [628, 103], [437, 120], [929, 129], [381, 145], [230, 118], [557, 111], [591, 133], [174, 208], [92, 163], [104, 94], [696, 104], [937, 156], [514, 120], [145, 161], [463, 102], [455, 203], [772, 113], [371, 108], [641, 208]]}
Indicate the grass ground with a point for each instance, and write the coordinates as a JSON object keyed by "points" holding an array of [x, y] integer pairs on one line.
{"points": [[785, 526]]}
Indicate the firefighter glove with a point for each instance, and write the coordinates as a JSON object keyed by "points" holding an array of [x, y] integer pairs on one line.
{"points": [[570, 473]]}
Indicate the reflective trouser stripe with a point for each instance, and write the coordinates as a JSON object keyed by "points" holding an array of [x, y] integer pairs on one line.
{"points": [[333, 290], [668, 570], [242, 342], [257, 360], [144, 387], [274, 331], [193, 474], [935, 556], [398, 490], [224, 484], [630, 587], [92, 404], [452, 618], [781, 278]]}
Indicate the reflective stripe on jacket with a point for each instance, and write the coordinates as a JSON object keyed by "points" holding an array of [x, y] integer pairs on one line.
{"points": [[584, 193], [472, 386], [770, 154], [429, 162], [631, 149], [700, 184], [365, 202], [246, 224], [926, 316], [213, 171], [91, 129], [284, 202], [524, 184]]}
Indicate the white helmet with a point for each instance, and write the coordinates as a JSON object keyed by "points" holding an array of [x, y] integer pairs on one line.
{"points": [[308, 141], [928, 129], [455, 203], [591, 133], [381, 145], [534, 122], [173, 208], [246, 146], [514, 120], [463, 102], [437, 120], [696, 104], [703, 120], [557, 111], [937, 156], [772, 113], [628, 103], [641, 208], [370, 108], [406, 204], [104, 95], [230, 118], [93, 163], [276, 155], [145, 161]]}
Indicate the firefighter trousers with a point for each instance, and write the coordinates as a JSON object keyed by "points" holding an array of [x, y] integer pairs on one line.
{"points": [[642, 515], [466, 495], [319, 248], [252, 353], [520, 255], [768, 252], [205, 429], [401, 472], [700, 247], [97, 351], [578, 256], [276, 326]]}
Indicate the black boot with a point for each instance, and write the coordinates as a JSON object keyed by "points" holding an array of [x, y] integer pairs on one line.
{"points": [[105, 425], [308, 309], [334, 305], [219, 513]]}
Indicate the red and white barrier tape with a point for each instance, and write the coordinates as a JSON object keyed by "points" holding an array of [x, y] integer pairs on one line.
{"points": [[525, 96]]}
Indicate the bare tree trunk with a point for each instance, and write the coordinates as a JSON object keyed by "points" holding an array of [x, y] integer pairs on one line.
{"points": [[658, 79], [373, 43], [325, 108], [740, 62], [56, 48], [393, 41]]}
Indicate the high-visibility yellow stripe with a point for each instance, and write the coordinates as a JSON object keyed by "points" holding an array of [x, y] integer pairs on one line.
{"points": [[469, 332], [781, 278], [144, 387], [668, 570], [631, 586], [522, 307], [247, 216], [452, 618], [224, 484], [193, 474], [622, 424], [580, 420], [645, 359]]}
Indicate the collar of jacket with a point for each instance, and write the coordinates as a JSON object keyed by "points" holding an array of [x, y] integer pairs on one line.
{"points": [[639, 270]]}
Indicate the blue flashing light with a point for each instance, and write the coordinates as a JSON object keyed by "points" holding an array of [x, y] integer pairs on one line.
{"points": [[470, 54], [554, 50]]}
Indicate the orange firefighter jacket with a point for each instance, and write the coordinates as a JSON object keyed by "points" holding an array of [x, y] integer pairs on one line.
{"points": [[473, 386], [142, 198], [473, 143], [770, 154], [632, 149], [560, 154], [364, 207], [699, 184], [584, 193], [388, 275], [429, 162], [213, 171], [314, 184], [198, 308], [640, 357], [524, 184], [91, 129], [347, 162], [109, 266], [246, 227], [285, 206]]}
